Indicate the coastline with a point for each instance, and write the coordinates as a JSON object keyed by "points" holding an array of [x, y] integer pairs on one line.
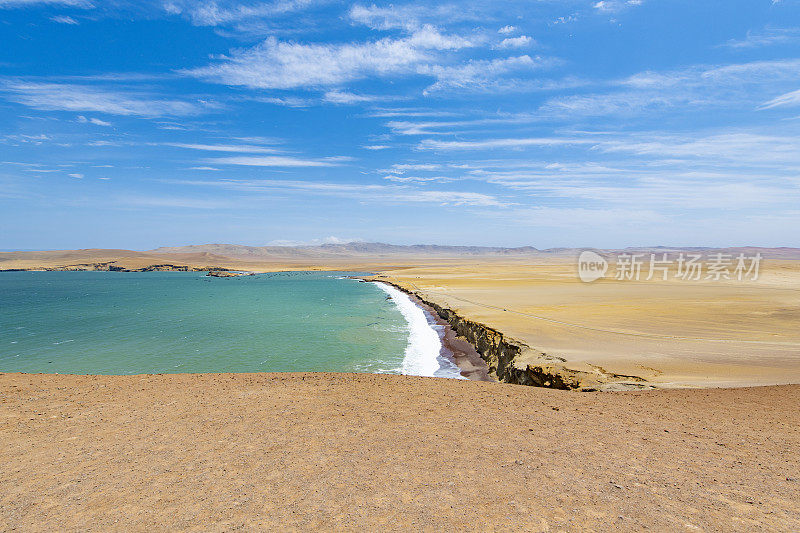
{"points": [[533, 323], [505, 359], [454, 348], [430, 349]]}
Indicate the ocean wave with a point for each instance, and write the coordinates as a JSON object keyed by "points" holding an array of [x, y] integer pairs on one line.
{"points": [[424, 344]]}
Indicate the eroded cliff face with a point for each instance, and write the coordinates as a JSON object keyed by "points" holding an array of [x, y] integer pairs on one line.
{"points": [[513, 361], [510, 360]]}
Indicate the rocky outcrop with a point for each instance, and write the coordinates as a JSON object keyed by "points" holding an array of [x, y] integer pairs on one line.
{"points": [[228, 274], [510, 360], [111, 267]]}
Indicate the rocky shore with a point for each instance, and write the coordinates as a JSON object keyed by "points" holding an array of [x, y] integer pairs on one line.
{"points": [[457, 348], [110, 266], [508, 360], [228, 274]]}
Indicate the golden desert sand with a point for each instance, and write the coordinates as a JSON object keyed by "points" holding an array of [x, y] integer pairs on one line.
{"points": [[673, 333]]}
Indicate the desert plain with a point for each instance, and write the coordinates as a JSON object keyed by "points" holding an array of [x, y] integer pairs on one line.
{"points": [[674, 333]]}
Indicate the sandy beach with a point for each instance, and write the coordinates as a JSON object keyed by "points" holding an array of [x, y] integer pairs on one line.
{"points": [[218, 452], [456, 348]]}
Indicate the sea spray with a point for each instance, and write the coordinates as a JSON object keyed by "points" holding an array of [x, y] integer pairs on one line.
{"points": [[424, 344]]}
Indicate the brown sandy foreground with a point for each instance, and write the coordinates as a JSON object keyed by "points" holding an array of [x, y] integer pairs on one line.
{"points": [[352, 452]]}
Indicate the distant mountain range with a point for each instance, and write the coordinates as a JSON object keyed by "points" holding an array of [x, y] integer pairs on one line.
{"points": [[378, 249], [239, 257], [345, 249]]}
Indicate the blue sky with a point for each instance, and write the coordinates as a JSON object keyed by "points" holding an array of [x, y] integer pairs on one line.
{"points": [[544, 123]]}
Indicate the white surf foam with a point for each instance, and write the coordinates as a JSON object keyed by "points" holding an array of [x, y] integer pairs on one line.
{"points": [[422, 352]]}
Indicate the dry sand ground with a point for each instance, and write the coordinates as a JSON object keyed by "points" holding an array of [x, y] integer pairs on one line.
{"points": [[673, 333], [352, 452]]}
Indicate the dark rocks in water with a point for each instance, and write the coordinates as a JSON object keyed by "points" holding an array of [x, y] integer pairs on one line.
{"points": [[111, 267], [228, 274]]}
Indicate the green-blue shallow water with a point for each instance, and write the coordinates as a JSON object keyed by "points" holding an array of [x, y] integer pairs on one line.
{"points": [[162, 322]]}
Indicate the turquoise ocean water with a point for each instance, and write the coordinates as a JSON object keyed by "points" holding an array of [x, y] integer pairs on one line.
{"points": [[164, 322]]}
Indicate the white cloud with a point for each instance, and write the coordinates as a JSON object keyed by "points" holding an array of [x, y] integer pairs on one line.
{"points": [[359, 192], [785, 100], [63, 19], [506, 30], [313, 242], [408, 17], [212, 14], [95, 121], [516, 42], [344, 97], [765, 37], [410, 112], [280, 65], [258, 139], [286, 65], [647, 189], [238, 148], [731, 85], [403, 127], [385, 18], [6, 4], [619, 103], [278, 161], [377, 147], [400, 168], [417, 179], [70, 97], [431, 144], [771, 71], [736, 171], [429, 38], [740, 148], [565, 19], [286, 101], [75, 175], [610, 6], [477, 74]]}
